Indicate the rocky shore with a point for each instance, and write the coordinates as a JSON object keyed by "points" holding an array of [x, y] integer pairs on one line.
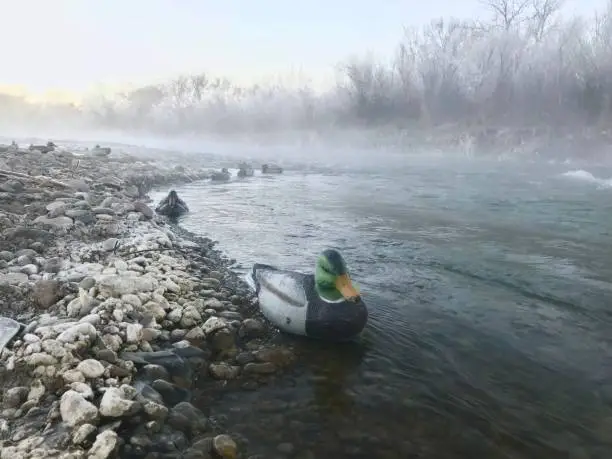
{"points": [[123, 315]]}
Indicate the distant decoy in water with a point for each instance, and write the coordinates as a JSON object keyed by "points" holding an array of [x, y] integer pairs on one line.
{"points": [[271, 169], [245, 170], [322, 305], [172, 206], [222, 176], [50, 146]]}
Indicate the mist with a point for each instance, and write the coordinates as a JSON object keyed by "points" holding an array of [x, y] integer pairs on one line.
{"points": [[528, 82]]}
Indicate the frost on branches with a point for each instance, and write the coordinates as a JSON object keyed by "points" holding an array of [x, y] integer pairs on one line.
{"points": [[524, 66]]}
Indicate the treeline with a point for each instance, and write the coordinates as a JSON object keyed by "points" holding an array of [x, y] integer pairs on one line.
{"points": [[527, 68]]}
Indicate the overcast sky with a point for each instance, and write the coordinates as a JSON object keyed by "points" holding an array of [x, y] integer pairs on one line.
{"points": [[74, 44]]}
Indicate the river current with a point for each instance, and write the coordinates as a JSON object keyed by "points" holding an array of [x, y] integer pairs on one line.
{"points": [[489, 289]]}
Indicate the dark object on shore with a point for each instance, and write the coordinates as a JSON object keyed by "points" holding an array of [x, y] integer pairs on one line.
{"points": [[245, 170], [172, 206], [271, 169], [100, 151], [222, 176], [323, 305], [43, 148]]}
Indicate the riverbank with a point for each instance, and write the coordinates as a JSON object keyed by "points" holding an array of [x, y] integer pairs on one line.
{"points": [[124, 315]]}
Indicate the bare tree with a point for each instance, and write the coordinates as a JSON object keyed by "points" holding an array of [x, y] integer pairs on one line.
{"points": [[508, 13], [542, 17]]}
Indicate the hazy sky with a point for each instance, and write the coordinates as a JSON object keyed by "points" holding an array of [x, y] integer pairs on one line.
{"points": [[74, 44]]}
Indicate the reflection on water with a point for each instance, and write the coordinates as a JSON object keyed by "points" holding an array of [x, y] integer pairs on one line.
{"points": [[490, 319]]}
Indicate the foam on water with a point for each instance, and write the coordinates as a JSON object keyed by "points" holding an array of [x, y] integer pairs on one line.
{"points": [[586, 176]]}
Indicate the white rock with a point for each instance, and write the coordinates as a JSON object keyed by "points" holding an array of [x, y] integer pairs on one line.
{"points": [[91, 368], [72, 334], [191, 317], [156, 310], [175, 315], [82, 433], [56, 209], [84, 389], [72, 376], [57, 223], [75, 410], [171, 286], [37, 391], [105, 444], [93, 319], [155, 410], [55, 348], [114, 405], [121, 265], [40, 358], [13, 278], [110, 244], [118, 315], [132, 299], [30, 338], [74, 308], [133, 333], [115, 285], [213, 324], [213, 303], [29, 269]]}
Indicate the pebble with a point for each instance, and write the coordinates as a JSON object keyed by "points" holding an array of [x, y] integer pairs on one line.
{"points": [[225, 446]]}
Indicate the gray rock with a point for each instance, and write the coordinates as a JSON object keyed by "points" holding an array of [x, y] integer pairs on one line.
{"points": [[52, 265], [15, 396], [57, 223], [252, 328], [110, 244], [78, 184], [145, 210], [223, 371], [46, 293], [56, 209], [13, 278], [87, 283], [115, 285], [187, 418], [103, 211]]}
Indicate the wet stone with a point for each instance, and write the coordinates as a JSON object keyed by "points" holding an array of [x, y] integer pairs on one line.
{"points": [[171, 393], [152, 372], [187, 418], [107, 355], [259, 368]]}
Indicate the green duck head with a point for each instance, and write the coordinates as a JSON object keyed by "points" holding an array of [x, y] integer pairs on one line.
{"points": [[332, 280]]}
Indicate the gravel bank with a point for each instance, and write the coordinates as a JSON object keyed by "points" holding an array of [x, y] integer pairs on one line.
{"points": [[124, 315]]}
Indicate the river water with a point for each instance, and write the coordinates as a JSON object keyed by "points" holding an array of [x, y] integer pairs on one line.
{"points": [[489, 289]]}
